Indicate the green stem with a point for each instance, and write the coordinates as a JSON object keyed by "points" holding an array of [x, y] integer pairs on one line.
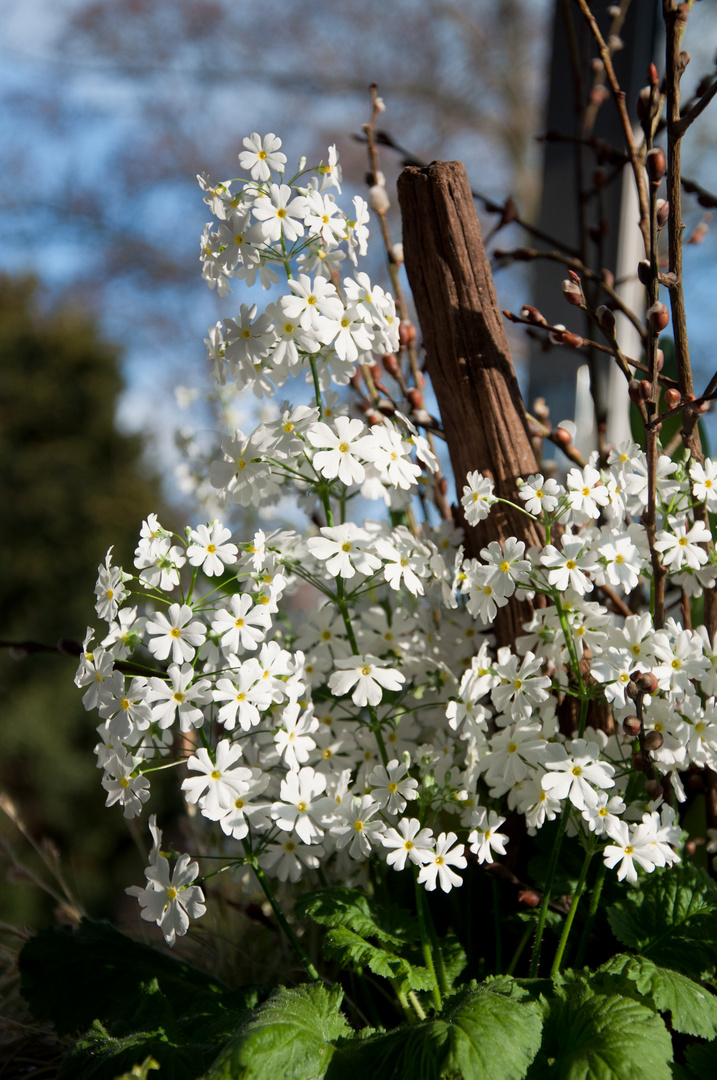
{"points": [[572, 912], [519, 951], [552, 867], [425, 944], [416, 1004], [295, 943], [592, 912]]}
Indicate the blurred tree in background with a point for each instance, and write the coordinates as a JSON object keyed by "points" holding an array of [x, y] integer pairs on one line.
{"points": [[70, 485]]}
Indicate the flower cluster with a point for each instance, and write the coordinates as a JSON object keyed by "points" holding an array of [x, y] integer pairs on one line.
{"points": [[382, 722]]}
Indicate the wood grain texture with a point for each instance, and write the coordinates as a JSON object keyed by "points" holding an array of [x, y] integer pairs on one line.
{"points": [[467, 354]]}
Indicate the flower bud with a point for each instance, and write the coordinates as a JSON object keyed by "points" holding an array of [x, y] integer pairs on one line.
{"points": [[573, 293], [378, 199], [659, 360], [633, 389], [531, 314], [672, 397], [658, 317], [407, 334], [397, 254], [574, 341], [644, 271], [632, 691], [653, 740], [655, 164], [390, 365], [663, 212], [647, 683], [562, 436], [606, 319], [654, 789], [415, 398], [529, 897], [631, 726]]}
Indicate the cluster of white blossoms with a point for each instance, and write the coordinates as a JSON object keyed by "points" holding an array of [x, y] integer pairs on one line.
{"points": [[337, 696]]}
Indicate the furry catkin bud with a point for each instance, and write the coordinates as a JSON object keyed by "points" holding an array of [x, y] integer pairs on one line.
{"points": [[531, 314], [654, 789], [663, 212], [573, 292], [672, 397], [562, 436], [632, 691], [655, 164], [378, 199], [397, 254], [659, 360], [658, 317], [644, 271]]}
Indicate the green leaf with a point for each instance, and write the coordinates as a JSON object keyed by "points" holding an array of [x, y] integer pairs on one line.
{"points": [[591, 1036], [480, 1033], [349, 948], [353, 909], [702, 1060], [290, 1037], [692, 1008], [671, 916]]}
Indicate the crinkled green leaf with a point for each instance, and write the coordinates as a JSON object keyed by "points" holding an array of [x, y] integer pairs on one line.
{"points": [[702, 1060], [151, 1032], [481, 1033], [290, 1037], [353, 909], [351, 949], [671, 916], [692, 1008], [594, 1036]]}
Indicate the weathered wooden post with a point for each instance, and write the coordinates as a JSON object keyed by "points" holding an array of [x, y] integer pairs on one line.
{"points": [[467, 354]]}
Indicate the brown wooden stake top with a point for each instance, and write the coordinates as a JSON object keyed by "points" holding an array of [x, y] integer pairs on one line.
{"points": [[467, 354]]}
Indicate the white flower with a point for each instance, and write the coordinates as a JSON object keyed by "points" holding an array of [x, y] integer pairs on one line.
{"points": [[477, 497], [280, 215], [409, 841], [174, 633], [573, 777], [170, 899], [506, 565], [340, 547], [438, 870], [221, 781], [339, 459], [262, 155], [484, 838], [303, 807], [586, 492], [243, 626], [390, 789], [210, 550], [294, 740], [353, 827], [629, 848], [109, 590], [704, 482], [567, 568], [368, 675], [681, 546], [391, 454], [540, 496], [604, 814], [178, 694]]}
